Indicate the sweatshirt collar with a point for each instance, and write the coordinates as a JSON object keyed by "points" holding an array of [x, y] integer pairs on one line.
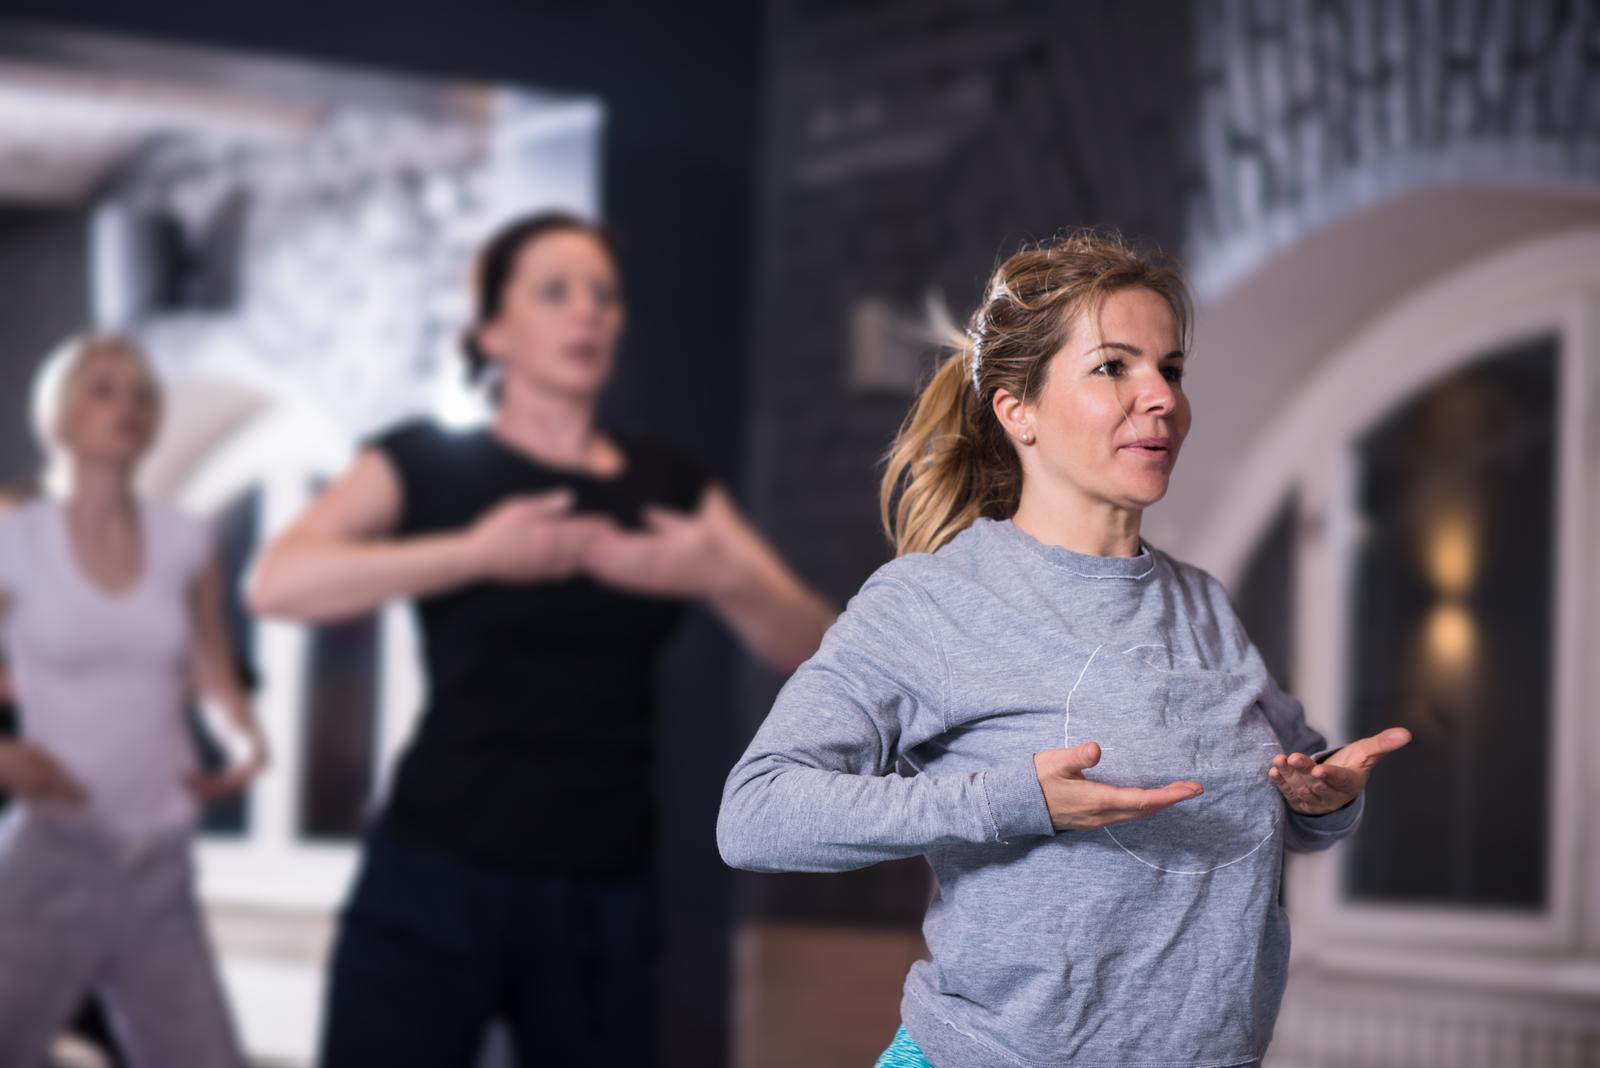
{"points": [[1083, 565]]}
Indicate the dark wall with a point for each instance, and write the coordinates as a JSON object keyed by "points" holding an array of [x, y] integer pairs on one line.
{"points": [[680, 89], [911, 145], [44, 268]]}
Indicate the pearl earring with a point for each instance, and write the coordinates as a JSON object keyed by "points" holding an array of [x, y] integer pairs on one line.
{"points": [[1027, 437]]}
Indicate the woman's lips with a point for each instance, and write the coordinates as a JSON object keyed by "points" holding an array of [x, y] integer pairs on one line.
{"points": [[1156, 448]]}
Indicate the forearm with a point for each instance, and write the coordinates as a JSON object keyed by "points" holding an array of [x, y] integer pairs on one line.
{"points": [[325, 580], [9, 755], [771, 612], [780, 816]]}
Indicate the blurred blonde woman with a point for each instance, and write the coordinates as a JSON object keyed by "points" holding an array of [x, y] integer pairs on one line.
{"points": [[1092, 757], [113, 621]]}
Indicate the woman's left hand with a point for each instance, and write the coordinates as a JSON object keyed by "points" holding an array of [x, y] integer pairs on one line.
{"points": [[715, 556], [1314, 789], [674, 556]]}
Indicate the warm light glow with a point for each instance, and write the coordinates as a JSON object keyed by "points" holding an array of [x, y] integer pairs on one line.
{"points": [[1452, 552], [1450, 637]]}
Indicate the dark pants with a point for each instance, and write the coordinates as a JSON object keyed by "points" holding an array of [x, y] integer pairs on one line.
{"points": [[433, 948]]}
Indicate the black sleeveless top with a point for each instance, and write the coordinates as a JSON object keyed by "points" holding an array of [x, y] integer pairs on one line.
{"points": [[536, 745]]}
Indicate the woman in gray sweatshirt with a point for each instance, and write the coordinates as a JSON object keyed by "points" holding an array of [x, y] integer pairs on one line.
{"points": [[1071, 726]]}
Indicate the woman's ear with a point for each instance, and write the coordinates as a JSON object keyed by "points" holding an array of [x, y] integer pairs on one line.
{"points": [[487, 341], [1014, 415]]}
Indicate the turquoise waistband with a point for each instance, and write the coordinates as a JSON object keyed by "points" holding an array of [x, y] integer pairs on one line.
{"points": [[902, 1053]]}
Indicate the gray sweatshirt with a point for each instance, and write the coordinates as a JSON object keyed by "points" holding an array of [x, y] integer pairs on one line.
{"points": [[912, 732]]}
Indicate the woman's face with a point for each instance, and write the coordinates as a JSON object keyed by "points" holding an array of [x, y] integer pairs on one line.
{"points": [[560, 316], [112, 408], [1112, 414]]}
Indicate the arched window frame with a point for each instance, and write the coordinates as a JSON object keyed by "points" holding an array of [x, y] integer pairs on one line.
{"points": [[1548, 288]]}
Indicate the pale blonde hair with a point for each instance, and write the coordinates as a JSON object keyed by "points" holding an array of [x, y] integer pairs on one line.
{"points": [[951, 461], [51, 395]]}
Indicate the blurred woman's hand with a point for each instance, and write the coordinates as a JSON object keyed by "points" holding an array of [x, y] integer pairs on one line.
{"points": [[533, 538], [212, 786], [674, 556], [1313, 789], [1079, 804], [31, 773]]}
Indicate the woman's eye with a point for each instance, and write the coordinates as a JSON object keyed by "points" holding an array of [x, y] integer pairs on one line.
{"points": [[553, 292], [1173, 374], [1111, 369], [604, 295]]}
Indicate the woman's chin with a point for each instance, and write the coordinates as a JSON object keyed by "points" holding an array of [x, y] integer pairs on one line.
{"points": [[580, 387], [112, 453], [586, 390], [1145, 494]]}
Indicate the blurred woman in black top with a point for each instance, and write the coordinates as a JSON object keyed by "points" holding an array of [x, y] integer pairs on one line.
{"points": [[550, 558]]}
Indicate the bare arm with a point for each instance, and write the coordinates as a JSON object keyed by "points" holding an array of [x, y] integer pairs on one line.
{"points": [[10, 499], [225, 704], [338, 559], [335, 561], [775, 615]]}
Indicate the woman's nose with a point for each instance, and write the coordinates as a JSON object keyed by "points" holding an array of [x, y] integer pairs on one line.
{"points": [[1153, 393]]}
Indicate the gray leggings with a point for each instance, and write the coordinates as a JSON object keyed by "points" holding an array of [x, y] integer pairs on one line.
{"points": [[80, 911]]}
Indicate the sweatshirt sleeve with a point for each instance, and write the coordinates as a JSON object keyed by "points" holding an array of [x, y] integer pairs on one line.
{"points": [[1302, 833], [817, 789]]}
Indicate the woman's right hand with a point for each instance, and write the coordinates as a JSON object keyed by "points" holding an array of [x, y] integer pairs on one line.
{"points": [[532, 538], [31, 773], [1080, 804]]}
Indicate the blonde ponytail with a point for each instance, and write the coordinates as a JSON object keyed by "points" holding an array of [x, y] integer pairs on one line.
{"points": [[943, 468]]}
